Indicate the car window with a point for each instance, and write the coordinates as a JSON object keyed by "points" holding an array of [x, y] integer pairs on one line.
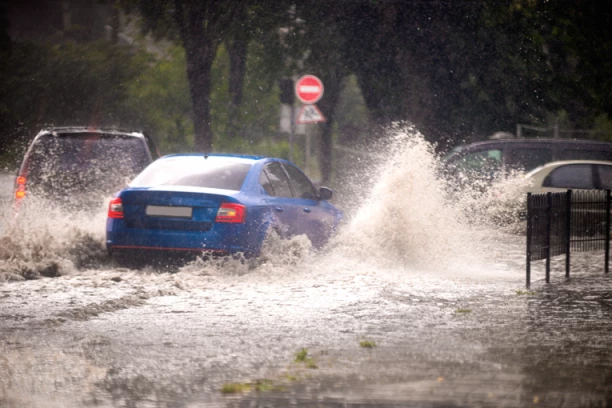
{"points": [[571, 176], [605, 176], [264, 181], [84, 161], [152, 148], [580, 154], [484, 162], [527, 159], [278, 180], [194, 171], [302, 186]]}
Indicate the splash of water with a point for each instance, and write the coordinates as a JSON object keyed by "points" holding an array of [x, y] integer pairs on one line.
{"points": [[44, 240], [277, 256], [406, 218], [409, 219]]}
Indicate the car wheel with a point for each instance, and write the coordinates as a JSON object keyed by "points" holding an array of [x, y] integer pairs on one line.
{"points": [[269, 246], [123, 260], [272, 238]]}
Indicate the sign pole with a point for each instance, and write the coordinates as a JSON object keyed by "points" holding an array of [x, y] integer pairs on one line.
{"points": [[291, 132], [307, 158], [308, 90]]}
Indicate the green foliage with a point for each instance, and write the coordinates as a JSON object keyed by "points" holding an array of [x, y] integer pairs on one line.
{"points": [[156, 16], [352, 118], [258, 114], [301, 355], [311, 363], [101, 85], [367, 344], [236, 388], [467, 69], [66, 84], [458, 70], [263, 385], [603, 127], [160, 99]]}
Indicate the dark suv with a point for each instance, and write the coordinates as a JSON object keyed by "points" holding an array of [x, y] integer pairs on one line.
{"points": [[485, 159], [79, 165]]}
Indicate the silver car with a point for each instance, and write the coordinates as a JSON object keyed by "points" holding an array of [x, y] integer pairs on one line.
{"points": [[561, 176], [75, 166]]}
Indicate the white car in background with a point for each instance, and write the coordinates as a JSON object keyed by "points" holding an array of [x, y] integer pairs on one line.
{"points": [[506, 202], [561, 176]]}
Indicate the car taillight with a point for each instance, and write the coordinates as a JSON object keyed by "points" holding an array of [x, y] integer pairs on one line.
{"points": [[20, 191], [115, 208], [230, 212]]}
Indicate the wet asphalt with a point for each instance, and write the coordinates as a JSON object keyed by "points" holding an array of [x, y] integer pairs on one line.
{"points": [[121, 338], [372, 334]]}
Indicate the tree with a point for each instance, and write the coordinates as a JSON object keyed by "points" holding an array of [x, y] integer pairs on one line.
{"points": [[160, 101], [200, 26], [65, 84], [323, 42], [251, 22]]}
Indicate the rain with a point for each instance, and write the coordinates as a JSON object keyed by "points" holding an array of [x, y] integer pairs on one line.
{"points": [[419, 297]]}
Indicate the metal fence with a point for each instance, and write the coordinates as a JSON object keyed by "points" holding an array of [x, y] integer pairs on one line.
{"points": [[562, 223]]}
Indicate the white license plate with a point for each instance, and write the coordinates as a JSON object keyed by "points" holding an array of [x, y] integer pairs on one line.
{"points": [[167, 211]]}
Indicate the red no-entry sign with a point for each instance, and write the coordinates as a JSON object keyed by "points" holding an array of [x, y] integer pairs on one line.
{"points": [[309, 89]]}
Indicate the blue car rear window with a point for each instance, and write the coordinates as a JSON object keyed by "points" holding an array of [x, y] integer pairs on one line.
{"points": [[194, 172]]}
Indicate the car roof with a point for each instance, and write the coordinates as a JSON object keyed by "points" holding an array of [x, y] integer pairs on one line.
{"points": [[240, 157], [531, 141], [85, 129], [560, 163]]}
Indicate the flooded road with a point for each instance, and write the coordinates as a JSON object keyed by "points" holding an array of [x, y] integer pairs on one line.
{"points": [[401, 311], [126, 338]]}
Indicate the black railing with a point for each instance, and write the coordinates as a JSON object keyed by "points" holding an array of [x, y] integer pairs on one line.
{"points": [[561, 223]]}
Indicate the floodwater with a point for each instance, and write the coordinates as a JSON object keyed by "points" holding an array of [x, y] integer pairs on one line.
{"points": [[410, 306]]}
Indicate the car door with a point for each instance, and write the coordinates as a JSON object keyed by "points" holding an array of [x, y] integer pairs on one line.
{"points": [[312, 216], [604, 176], [279, 197]]}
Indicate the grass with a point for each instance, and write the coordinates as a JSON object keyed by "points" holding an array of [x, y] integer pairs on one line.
{"points": [[367, 344], [303, 357], [525, 292], [266, 385], [310, 363], [462, 310], [236, 388], [259, 386]]}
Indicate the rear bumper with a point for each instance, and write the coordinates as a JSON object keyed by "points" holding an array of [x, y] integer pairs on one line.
{"points": [[220, 239]]}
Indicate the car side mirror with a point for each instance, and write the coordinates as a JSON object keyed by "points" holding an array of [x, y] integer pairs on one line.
{"points": [[325, 193]]}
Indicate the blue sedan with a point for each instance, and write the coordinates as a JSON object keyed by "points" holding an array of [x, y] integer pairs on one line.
{"points": [[224, 204]]}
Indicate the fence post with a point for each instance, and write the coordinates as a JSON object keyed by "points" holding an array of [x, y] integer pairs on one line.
{"points": [[568, 231], [529, 231], [607, 233], [548, 219]]}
